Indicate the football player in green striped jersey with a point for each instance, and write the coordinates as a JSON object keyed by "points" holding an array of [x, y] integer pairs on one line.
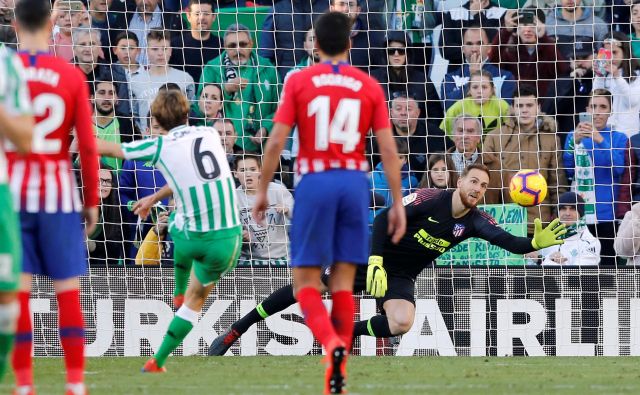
{"points": [[16, 124], [205, 226]]}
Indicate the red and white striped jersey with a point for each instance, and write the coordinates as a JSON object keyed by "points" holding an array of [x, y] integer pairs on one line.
{"points": [[43, 181]]}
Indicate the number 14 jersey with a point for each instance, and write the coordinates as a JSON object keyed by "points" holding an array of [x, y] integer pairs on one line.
{"points": [[194, 163], [334, 107]]}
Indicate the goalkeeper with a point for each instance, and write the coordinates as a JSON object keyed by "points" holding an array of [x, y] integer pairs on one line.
{"points": [[437, 221]]}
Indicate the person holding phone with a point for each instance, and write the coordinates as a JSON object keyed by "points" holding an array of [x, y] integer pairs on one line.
{"points": [[594, 159], [620, 77]]}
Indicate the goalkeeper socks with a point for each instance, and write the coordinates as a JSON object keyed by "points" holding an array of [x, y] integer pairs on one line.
{"points": [[21, 358], [71, 334], [317, 318], [181, 272], [274, 303], [179, 328], [377, 326], [8, 315], [342, 316]]}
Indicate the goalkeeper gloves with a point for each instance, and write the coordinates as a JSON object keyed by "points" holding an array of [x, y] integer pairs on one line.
{"points": [[551, 235], [376, 277]]}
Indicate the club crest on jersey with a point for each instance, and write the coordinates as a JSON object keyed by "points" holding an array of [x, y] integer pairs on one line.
{"points": [[458, 230]]}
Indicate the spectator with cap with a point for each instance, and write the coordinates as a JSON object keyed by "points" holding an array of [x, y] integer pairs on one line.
{"points": [[399, 77], [250, 86], [622, 78], [193, 48], [474, 13], [283, 33], [575, 27], [627, 241], [580, 247], [475, 48], [524, 49]]}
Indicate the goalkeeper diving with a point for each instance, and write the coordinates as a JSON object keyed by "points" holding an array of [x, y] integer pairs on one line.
{"points": [[437, 220]]}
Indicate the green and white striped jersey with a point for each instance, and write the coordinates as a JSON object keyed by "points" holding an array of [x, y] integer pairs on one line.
{"points": [[193, 161], [14, 96]]}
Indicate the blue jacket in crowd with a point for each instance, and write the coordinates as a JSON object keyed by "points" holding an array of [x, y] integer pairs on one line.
{"points": [[608, 166], [456, 82], [378, 184]]}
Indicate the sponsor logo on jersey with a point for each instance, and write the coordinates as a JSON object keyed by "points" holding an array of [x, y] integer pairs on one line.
{"points": [[430, 242], [432, 220], [409, 199], [458, 230]]}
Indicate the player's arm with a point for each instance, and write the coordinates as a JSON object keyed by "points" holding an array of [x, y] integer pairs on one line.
{"points": [[143, 206], [489, 230], [17, 129], [110, 149]]}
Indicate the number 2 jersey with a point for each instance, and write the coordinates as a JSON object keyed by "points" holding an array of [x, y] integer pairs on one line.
{"points": [[194, 163], [43, 181], [334, 107], [432, 231]]}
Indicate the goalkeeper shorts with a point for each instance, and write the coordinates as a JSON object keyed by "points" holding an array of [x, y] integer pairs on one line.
{"points": [[213, 254]]}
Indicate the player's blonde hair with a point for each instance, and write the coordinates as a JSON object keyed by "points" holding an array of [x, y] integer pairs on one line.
{"points": [[170, 109]]}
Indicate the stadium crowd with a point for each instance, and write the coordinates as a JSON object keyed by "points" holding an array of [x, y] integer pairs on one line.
{"points": [[512, 84]]}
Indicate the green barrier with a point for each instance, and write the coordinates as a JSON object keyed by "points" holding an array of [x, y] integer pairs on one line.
{"points": [[251, 17], [474, 252]]}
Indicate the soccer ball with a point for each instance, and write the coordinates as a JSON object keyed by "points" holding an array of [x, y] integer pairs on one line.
{"points": [[528, 188]]}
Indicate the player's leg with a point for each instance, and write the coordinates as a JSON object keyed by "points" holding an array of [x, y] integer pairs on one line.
{"points": [[181, 272], [399, 308], [10, 265], [274, 303], [219, 252], [65, 266]]}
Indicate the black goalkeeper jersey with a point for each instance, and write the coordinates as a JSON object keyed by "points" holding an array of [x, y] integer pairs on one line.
{"points": [[432, 231]]}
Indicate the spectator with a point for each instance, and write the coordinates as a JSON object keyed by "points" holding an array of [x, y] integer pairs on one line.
{"points": [[398, 77], [147, 16], [467, 137], [528, 53], [250, 85], [229, 137], [107, 124], [88, 58], [408, 126], [104, 21], [268, 244], [473, 13], [418, 18], [126, 49], [623, 83], [312, 56], [627, 241], [594, 159], [145, 84], [575, 27], [476, 47], [580, 247], [138, 179], [7, 32], [568, 96], [378, 182], [437, 175], [210, 106], [480, 101], [105, 244], [155, 246], [67, 16], [196, 47], [283, 37], [527, 140], [366, 45], [635, 29]]}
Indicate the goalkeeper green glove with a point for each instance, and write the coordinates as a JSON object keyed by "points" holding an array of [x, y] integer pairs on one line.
{"points": [[376, 277], [543, 238]]}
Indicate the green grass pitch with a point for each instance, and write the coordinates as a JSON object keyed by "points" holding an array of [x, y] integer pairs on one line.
{"points": [[367, 375]]}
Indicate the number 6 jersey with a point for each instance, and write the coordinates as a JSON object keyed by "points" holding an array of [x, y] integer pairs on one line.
{"points": [[194, 163], [334, 107], [42, 181]]}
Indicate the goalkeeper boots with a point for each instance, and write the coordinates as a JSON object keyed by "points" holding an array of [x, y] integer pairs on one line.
{"points": [[223, 343], [152, 367], [336, 371]]}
